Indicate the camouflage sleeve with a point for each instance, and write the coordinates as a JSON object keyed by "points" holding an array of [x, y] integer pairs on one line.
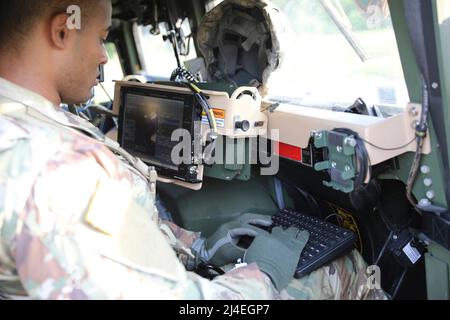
{"points": [[180, 240], [83, 235], [185, 237]]}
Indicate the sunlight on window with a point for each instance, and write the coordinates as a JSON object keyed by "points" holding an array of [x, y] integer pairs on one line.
{"points": [[113, 72], [153, 50], [324, 64]]}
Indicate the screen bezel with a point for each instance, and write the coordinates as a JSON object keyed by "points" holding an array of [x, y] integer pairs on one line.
{"points": [[191, 113]]}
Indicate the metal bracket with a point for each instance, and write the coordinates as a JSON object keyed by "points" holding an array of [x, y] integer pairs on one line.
{"points": [[341, 159]]}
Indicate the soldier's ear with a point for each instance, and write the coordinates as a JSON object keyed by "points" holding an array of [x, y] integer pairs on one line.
{"points": [[59, 32]]}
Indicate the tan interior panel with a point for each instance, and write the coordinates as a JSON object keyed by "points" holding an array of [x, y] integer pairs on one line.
{"points": [[397, 133], [243, 104]]}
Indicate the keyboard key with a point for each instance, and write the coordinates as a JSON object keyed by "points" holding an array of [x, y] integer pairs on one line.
{"points": [[326, 241]]}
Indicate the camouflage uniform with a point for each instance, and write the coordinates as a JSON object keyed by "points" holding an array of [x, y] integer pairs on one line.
{"points": [[77, 223]]}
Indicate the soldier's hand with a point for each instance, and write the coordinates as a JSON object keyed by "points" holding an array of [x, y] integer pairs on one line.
{"points": [[257, 220], [277, 254], [230, 241]]}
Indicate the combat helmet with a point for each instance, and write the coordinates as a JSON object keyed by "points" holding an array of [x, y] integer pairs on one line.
{"points": [[241, 42]]}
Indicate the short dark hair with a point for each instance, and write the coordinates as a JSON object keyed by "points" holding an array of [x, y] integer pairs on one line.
{"points": [[18, 17]]}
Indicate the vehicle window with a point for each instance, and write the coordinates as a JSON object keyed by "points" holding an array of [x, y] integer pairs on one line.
{"points": [[341, 50], [112, 71], [158, 56]]}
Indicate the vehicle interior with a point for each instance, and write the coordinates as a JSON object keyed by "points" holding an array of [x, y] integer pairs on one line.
{"points": [[335, 109]]}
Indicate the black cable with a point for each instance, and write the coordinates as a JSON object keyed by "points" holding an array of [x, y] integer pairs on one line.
{"points": [[207, 266], [183, 74], [388, 149], [214, 134], [188, 47], [421, 132], [201, 99], [101, 84], [399, 283], [383, 250], [213, 126], [173, 34], [206, 108]]}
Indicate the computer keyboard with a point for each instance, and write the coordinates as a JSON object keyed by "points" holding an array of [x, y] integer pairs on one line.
{"points": [[326, 240]]}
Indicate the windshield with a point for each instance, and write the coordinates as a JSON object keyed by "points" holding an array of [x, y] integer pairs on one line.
{"points": [[153, 48], [340, 50]]}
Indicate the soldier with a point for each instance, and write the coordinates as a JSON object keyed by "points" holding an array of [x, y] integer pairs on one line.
{"points": [[79, 222]]}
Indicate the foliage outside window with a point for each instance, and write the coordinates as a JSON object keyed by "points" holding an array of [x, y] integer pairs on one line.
{"points": [[323, 69]]}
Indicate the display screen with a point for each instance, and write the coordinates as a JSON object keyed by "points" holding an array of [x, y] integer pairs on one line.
{"points": [[148, 124]]}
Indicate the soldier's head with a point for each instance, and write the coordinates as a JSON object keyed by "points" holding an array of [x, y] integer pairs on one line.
{"points": [[54, 47]]}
